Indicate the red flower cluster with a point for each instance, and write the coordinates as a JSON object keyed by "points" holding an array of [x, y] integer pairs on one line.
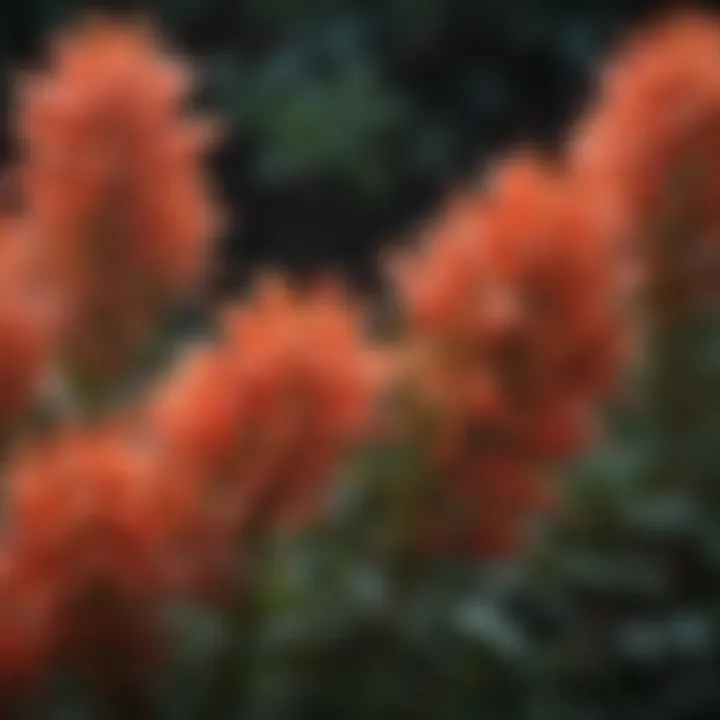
{"points": [[266, 416], [652, 145], [112, 175], [514, 306], [515, 335]]}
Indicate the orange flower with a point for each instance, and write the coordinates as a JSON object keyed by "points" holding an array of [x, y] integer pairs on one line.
{"points": [[493, 501], [268, 415], [199, 408], [114, 181], [90, 514], [651, 144], [26, 630], [514, 316]]}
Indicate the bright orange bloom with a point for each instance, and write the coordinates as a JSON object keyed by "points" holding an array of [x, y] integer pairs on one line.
{"points": [[652, 142], [30, 320], [88, 513], [114, 181], [268, 415], [195, 420], [515, 305], [199, 408], [514, 314]]}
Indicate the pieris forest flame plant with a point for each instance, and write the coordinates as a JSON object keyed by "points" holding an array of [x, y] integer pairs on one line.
{"points": [[504, 505]]}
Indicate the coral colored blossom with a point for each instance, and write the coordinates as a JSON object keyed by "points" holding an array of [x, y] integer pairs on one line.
{"points": [[513, 305], [492, 501], [199, 409], [26, 631], [114, 182], [269, 413], [30, 320]]}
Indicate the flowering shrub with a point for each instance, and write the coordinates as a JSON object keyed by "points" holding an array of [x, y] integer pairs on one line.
{"points": [[520, 309], [515, 303]]}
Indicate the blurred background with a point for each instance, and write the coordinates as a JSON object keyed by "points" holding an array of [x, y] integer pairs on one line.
{"points": [[347, 120]]}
